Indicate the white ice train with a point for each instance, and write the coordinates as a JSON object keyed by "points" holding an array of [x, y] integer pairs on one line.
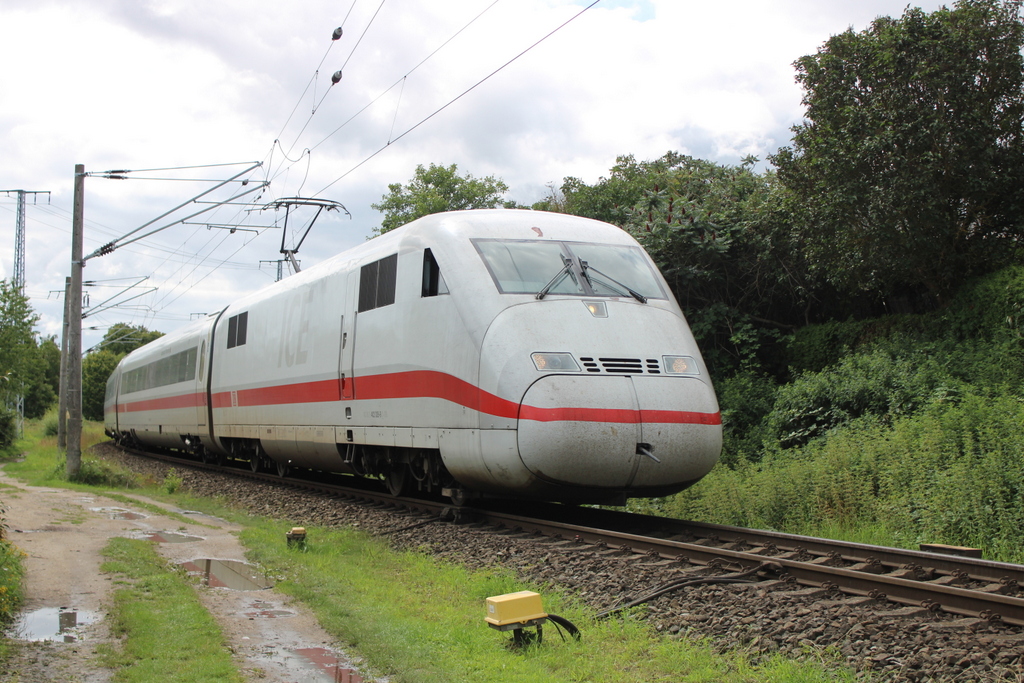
{"points": [[507, 352]]}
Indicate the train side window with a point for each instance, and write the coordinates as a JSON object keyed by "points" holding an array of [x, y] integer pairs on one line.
{"points": [[433, 282], [377, 283], [237, 325]]}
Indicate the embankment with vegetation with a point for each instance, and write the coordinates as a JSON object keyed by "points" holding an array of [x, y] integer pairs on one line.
{"points": [[897, 430]]}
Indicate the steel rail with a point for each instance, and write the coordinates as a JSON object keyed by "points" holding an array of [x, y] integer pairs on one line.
{"points": [[925, 594]]}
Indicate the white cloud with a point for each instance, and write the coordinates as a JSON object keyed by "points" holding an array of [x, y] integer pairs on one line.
{"points": [[128, 84]]}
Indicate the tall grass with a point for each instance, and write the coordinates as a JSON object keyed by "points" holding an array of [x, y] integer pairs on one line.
{"points": [[953, 473]]}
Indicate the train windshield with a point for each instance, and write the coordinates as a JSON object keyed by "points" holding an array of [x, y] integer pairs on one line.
{"points": [[528, 266]]}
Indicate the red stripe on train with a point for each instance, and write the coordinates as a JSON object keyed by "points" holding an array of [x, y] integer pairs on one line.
{"points": [[428, 384], [194, 400]]}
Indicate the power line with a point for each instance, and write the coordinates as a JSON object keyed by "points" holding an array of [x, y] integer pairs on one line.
{"points": [[307, 151], [459, 96], [407, 74]]}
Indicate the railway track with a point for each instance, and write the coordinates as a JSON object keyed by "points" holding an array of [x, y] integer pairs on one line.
{"points": [[925, 581]]}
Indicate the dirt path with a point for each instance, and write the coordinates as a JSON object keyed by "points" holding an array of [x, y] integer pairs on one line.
{"points": [[64, 532]]}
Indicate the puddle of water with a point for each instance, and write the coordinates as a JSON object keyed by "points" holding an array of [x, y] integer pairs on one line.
{"points": [[120, 513], [51, 623], [231, 574], [196, 513], [266, 610], [165, 537], [312, 664]]}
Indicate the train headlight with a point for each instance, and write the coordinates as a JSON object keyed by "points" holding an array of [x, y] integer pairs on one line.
{"points": [[680, 365], [555, 362], [598, 309]]}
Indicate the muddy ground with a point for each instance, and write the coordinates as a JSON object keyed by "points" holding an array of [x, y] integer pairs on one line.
{"points": [[63, 534]]}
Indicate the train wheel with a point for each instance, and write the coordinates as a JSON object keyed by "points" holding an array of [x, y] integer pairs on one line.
{"points": [[458, 496], [397, 480], [254, 462], [283, 469]]}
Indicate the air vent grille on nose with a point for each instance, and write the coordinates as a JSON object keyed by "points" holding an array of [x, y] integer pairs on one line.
{"points": [[621, 366]]}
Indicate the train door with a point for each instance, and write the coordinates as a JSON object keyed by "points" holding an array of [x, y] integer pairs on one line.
{"points": [[200, 388], [348, 338]]}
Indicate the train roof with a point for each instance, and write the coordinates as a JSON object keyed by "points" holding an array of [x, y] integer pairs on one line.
{"points": [[453, 227]]}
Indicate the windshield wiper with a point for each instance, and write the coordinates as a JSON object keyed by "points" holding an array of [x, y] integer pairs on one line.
{"points": [[559, 276], [585, 267]]}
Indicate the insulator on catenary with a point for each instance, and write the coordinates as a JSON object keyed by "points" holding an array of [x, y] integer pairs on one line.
{"points": [[336, 77], [337, 33]]}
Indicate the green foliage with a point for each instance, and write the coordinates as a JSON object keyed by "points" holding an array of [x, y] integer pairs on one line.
{"points": [[43, 383], [436, 189], [815, 347], [95, 472], [8, 428], [97, 365], [878, 382], [720, 236], [12, 573], [20, 361], [950, 473], [50, 426], [121, 338], [96, 370], [746, 399], [909, 169], [172, 481]]}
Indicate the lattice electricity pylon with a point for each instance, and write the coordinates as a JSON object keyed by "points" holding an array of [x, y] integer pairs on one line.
{"points": [[19, 236]]}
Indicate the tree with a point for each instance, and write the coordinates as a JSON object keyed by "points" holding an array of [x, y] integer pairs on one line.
{"points": [[96, 370], [98, 364], [909, 168], [44, 379], [436, 189], [122, 338], [719, 234], [17, 343]]}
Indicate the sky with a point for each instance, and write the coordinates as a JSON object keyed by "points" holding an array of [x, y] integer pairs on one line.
{"points": [[186, 94]]}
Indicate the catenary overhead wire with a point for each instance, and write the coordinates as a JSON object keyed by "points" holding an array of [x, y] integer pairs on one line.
{"points": [[315, 74], [281, 170], [407, 74], [458, 97], [343, 65]]}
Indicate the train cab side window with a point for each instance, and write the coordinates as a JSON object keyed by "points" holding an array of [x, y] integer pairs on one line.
{"points": [[377, 283], [237, 325], [433, 283]]}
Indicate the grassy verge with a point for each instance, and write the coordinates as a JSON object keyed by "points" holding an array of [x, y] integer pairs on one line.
{"points": [[166, 633], [420, 620], [11, 577], [44, 465]]}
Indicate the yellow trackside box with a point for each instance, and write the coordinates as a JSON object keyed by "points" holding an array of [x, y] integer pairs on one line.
{"points": [[514, 608]]}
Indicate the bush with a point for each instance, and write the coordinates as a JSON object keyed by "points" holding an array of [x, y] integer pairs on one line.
{"points": [[877, 383], [8, 428], [98, 473], [50, 426], [746, 399], [172, 480], [11, 574]]}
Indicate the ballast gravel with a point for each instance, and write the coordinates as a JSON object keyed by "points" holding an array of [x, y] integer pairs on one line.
{"points": [[879, 640]]}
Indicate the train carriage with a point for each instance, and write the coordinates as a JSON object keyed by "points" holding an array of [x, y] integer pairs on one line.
{"points": [[500, 352]]}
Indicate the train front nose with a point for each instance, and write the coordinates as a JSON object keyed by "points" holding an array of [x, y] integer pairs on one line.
{"points": [[624, 432], [612, 416]]}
